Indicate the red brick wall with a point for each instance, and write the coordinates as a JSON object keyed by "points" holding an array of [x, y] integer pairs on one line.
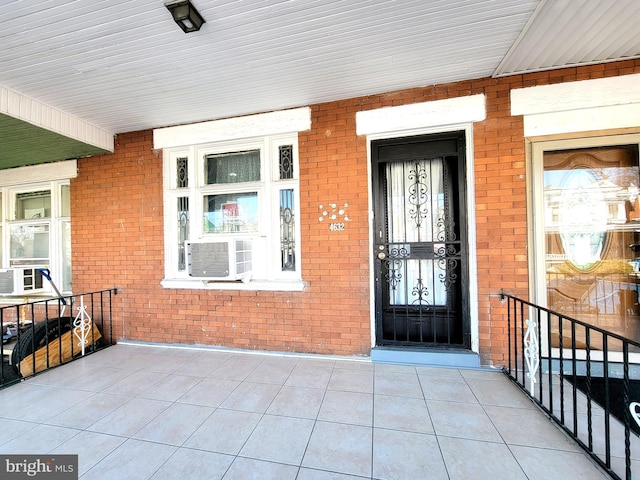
{"points": [[117, 232]]}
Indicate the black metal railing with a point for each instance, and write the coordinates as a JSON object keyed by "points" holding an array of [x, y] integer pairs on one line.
{"points": [[42, 334], [585, 378]]}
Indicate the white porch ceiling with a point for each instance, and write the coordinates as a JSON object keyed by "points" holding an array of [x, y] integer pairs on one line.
{"points": [[124, 65]]}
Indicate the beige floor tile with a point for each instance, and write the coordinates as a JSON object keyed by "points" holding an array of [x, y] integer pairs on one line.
{"points": [[271, 372], [175, 424], [340, 448], [397, 384], [462, 420], [406, 456], [209, 392], [355, 363], [41, 439], [200, 365], [130, 417], [250, 469], [82, 376], [251, 397], [542, 464], [88, 411], [189, 464], [225, 431], [523, 426], [298, 402], [449, 389], [439, 372], [310, 474], [135, 384], [279, 439], [132, 459], [10, 429], [49, 402], [402, 413], [90, 447], [503, 393], [352, 380], [395, 368], [237, 367], [171, 388], [347, 407], [309, 376], [468, 459]]}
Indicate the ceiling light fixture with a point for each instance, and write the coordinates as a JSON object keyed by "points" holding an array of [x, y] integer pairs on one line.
{"points": [[185, 15]]}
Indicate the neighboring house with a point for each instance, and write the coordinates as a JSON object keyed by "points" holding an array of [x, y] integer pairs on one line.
{"points": [[391, 220]]}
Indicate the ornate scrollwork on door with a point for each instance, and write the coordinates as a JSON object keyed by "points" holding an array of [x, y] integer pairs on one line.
{"points": [[418, 194], [447, 262], [447, 275], [421, 292], [397, 256]]}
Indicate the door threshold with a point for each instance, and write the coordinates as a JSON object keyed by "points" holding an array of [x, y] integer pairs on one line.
{"points": [[453, 358]]}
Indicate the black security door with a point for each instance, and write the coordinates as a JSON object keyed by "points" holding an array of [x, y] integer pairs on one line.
{"points": [[420, 252]]}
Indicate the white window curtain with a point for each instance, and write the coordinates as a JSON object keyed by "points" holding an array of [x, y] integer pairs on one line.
{"points": [[415, 206]]}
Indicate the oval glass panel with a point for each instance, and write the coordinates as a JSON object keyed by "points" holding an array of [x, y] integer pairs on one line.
{"points": [[583, 218]]}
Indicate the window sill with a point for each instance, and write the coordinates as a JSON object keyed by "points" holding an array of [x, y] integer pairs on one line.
{"points": [[253, 285], [22, 298]]}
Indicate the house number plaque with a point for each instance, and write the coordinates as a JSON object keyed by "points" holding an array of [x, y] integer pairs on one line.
{"points": [[336, 214]]}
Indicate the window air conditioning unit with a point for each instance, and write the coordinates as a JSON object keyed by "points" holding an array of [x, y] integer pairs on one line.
{"points": [[18, 281], [219, 260]]}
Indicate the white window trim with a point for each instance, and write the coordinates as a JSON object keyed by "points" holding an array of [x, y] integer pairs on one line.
{"points": [[573, 107], [268, 131], [536, 240], [14, 185], [437, 114], [47, 172], [251, 126]]}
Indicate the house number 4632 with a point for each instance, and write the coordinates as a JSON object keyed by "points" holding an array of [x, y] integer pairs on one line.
{"points": [[336, 227]]}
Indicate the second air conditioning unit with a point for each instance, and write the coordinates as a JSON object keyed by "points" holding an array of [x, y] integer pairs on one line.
{"points": [[20, 280]]}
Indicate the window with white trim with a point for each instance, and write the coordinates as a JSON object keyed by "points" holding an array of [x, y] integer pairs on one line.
{"points": [[242, 195], [35, 233]]}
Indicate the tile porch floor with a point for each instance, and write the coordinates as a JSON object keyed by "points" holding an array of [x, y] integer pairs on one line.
{"points": [[146, 412]]}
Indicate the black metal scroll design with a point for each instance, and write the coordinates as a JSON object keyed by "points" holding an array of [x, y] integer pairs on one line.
{"points": [[444, 231], [447, 265], [421, 293], [183, 230], [182, 170], [418, 194], [287, 241], [286, 162], [397, 254]]}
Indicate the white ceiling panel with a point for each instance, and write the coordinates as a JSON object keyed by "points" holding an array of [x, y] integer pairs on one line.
{"points": [[124, 65], [563, 33]]}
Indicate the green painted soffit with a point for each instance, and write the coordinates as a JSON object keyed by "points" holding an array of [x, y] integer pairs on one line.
{"points": [[22, 143]]}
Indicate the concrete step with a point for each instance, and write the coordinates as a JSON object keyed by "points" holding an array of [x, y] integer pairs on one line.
{"points": [[456, 358]]}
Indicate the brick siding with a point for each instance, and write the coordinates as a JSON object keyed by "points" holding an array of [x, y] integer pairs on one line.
{"points": [[117, 232]]}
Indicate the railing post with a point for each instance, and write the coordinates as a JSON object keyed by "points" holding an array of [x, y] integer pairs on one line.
{"points": [[627, 414], [82, 325], [532, 353]]}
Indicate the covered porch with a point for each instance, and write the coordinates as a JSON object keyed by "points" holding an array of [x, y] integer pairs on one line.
{"points": [[151, 412]]}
